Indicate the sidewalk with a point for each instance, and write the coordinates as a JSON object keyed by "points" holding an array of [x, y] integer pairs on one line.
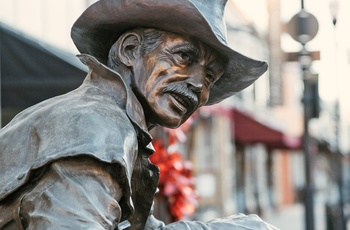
{"points": [[293, 218]]}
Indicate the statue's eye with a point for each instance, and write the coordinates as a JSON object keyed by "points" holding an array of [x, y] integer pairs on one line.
{"points": [[210, 76], [185, 54], [184, 58]]}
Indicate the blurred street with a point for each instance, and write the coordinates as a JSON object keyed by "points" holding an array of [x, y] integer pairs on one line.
{"points": [[292, 217]]}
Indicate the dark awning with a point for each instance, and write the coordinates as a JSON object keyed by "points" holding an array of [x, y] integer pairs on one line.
{"points": [[32, 71], [248, 130]]}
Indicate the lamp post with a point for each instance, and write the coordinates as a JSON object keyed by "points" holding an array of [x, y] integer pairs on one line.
{"points": [[308, 143], [303, 27]]}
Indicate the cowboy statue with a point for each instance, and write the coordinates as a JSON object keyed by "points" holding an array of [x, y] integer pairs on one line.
{"points": [[80, 160]]}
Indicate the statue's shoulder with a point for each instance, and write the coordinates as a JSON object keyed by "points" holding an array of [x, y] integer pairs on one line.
{"points": [[73, 124], [80, 108]]}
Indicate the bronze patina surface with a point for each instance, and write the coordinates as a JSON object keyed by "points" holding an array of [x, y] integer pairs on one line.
{"points": [[80, 160]]}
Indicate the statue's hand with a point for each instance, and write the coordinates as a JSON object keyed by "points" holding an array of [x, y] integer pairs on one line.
{"points": [[240, 221]]}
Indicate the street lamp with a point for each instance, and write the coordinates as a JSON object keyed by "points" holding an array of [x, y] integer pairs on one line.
{"points": [[334, 7], [303, 27]]}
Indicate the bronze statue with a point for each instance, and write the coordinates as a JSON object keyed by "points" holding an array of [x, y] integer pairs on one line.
{"points": [[80, 160]]}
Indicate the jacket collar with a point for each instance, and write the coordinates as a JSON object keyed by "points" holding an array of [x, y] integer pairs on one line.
{"points": [[128, 99]]}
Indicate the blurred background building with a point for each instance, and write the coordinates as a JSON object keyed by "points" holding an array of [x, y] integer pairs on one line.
{"points": [[246, 152]]}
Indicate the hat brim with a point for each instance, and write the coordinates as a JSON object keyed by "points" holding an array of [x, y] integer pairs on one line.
{"points": [[102, 23]]}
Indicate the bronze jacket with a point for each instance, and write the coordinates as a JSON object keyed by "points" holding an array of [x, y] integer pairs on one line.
{"points": [[101, 119]]}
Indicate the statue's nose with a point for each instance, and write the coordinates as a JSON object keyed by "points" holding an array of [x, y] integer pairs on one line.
{"points": [[196, 81], [195, 84]]}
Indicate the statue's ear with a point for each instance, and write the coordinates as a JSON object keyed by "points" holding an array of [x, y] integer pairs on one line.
{"points": [[129, 48]]}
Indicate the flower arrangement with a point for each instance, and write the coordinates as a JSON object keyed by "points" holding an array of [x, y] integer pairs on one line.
{"points": [[176, 183]]}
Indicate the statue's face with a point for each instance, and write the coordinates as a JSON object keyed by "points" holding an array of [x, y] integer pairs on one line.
{"points": [[175, 79]]}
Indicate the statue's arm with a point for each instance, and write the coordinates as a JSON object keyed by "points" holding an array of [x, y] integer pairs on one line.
{"points": [[74, 193], [235, 222]]}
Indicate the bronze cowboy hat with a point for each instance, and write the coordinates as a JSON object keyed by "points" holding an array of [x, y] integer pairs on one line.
{"points": [[102, 23]]}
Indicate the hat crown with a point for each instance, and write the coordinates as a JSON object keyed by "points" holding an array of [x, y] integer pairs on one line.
{"points": [[213, 11]]}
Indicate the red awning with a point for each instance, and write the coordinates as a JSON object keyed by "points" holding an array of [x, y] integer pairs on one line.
{"points": [[247, 130]]}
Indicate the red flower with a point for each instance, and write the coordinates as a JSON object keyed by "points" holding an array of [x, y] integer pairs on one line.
{"points": [[176, 181]]}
